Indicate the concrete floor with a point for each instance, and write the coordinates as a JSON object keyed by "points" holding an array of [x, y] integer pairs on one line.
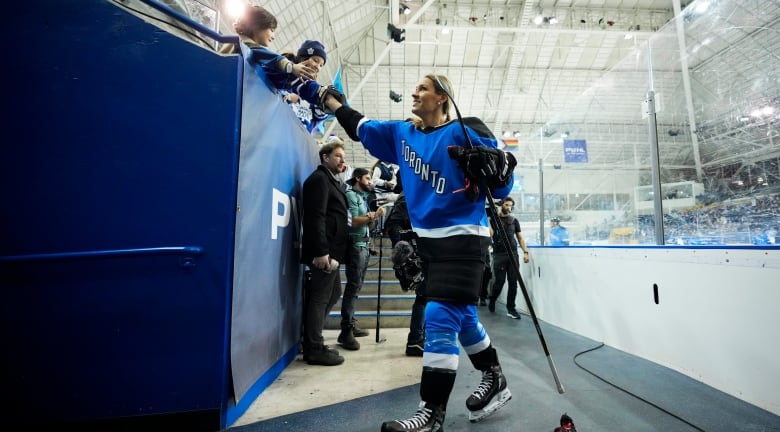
{"points": [[605, 389], [302, 386]]}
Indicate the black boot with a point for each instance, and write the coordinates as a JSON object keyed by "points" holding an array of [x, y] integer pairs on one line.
{"points": [[347, 340], [322, 356], [357, 331]]}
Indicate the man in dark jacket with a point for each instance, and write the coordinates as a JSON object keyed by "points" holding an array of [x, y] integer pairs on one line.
{"points": [[325, 244]]}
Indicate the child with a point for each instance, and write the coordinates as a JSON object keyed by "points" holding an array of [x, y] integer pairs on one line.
{"points": [[257, 28], [310, 113], [293, 75]]}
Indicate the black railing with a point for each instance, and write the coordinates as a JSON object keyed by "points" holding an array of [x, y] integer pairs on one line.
{"points": [[111, 253]]}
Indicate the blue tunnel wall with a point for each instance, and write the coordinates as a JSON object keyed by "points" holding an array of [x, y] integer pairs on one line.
{"points": [[118, 175]]}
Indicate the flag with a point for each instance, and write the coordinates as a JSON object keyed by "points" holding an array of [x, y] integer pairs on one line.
{"points": [[337, 81]]}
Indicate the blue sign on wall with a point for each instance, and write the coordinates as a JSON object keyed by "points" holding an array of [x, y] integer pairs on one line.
{"points": [[575, 151]]}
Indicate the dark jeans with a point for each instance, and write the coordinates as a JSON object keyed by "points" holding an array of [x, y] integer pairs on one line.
{"points": [[323, 292], [356, 273], [503, 270]]}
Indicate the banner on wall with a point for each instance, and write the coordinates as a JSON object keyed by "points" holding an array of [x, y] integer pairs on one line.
{"points": [[277, 154], [575, 151]]}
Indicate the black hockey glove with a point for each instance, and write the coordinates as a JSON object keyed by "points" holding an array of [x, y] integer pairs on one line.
{"points": [[326, 91], [479, 163], [407, 266]]}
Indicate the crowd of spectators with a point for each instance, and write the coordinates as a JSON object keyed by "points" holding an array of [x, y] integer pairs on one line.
{"points": [[754, 220], [749, 220]]}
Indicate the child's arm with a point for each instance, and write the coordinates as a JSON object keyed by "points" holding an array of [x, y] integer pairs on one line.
{"points": [[279, 64]]}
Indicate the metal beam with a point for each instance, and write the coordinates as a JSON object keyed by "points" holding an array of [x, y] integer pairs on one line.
{"points": [[381, 57]]}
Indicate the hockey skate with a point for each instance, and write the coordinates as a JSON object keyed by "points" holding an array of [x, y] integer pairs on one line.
{"points": [[428, 418], [491, 394]]}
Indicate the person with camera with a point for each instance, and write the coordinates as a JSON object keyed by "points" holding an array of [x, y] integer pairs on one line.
{"points": [[359, 221], [445, 167], [399, 228], [383, 176]]}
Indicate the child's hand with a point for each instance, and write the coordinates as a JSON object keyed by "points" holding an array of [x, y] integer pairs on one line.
{"points": [[304, 71]]}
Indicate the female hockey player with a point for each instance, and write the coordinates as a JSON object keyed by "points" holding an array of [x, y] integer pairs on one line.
{"points": [[444, 174]]}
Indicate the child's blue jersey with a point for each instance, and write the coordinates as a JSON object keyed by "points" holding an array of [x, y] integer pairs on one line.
{"points": [[433, 182], [267, 64]]}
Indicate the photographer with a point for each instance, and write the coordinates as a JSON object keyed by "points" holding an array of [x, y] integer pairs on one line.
{"points": [[383, 177], [400, 228]]}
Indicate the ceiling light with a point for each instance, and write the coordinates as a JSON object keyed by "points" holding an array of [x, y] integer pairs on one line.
{"points": [[540, 19], [406, 10], [235, 8], [701, 7], [445, 29]]}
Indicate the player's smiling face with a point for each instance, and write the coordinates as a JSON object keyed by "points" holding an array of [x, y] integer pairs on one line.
{"points": [[425, 99]]}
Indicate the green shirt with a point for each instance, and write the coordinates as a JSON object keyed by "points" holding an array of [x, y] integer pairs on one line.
{"points": [[357, 203]]}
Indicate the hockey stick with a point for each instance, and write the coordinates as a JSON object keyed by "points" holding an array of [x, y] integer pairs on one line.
{"points": [[507, 245], [379, 284]]}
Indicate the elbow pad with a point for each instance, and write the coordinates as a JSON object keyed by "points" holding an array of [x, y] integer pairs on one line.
{"points": [[349, 119]]}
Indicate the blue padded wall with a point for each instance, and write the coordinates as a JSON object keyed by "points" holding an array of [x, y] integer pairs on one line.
{"points": [[121, 145]]}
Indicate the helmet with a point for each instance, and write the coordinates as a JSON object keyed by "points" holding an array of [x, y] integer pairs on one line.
{"points": [[555, 219]]}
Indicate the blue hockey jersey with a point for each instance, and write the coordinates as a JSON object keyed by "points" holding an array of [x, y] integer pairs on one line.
{"points": [[433, 183]]}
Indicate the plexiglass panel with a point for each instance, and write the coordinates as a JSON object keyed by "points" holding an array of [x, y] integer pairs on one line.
{"points": [[713, 74]]}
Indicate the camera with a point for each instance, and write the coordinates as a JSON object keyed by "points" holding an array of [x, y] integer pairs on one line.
{"points": [[395, 97]]}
